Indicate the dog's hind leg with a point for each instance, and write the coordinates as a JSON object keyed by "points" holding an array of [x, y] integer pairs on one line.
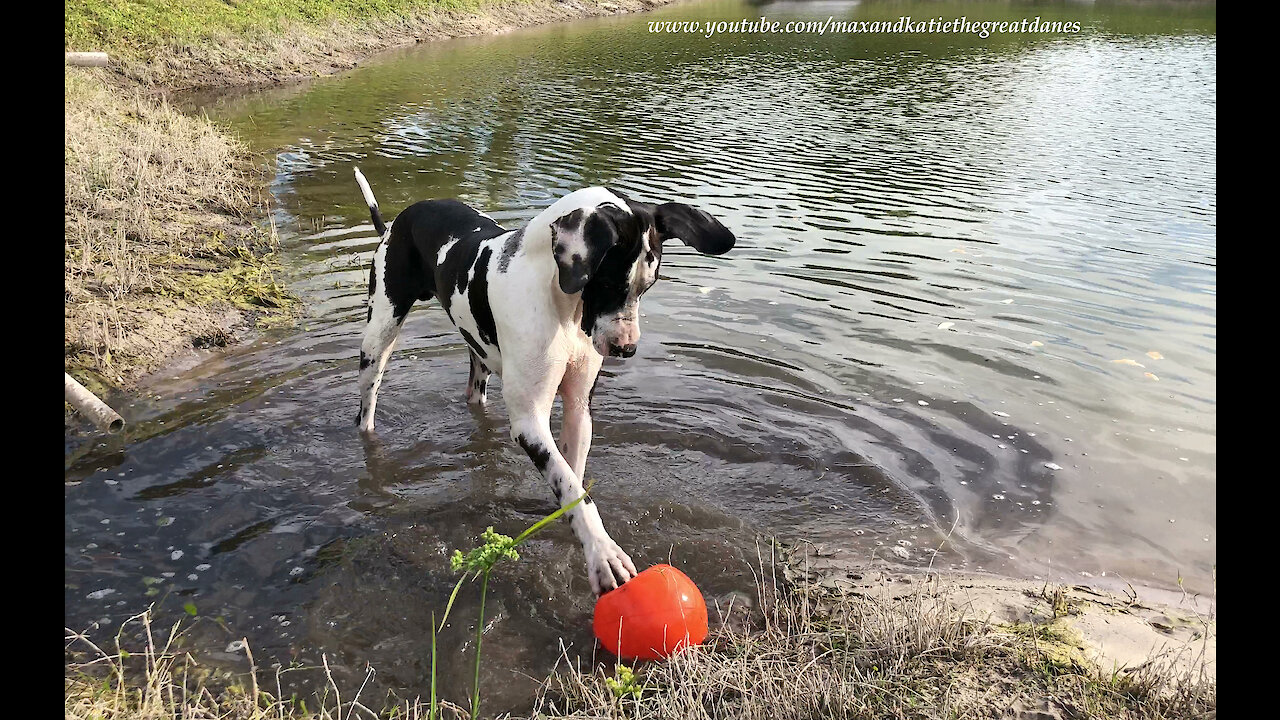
{"points": [[382, 331], [478, 381], [379, 342]]}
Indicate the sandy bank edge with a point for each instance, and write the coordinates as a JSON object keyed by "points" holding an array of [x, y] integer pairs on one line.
{"points": [[1115, 632]]}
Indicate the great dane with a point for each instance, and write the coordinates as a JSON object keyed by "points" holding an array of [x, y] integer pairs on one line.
{"points": [[541, 306]]}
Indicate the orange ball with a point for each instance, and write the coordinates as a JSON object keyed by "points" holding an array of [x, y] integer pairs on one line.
{"points": [[652, 615]]}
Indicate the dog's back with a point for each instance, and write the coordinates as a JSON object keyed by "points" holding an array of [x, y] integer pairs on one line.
{"points": [[436, 249]]}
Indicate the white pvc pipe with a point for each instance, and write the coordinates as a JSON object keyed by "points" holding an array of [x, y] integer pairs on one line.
{"points": [[91, 407], [87, 59]]}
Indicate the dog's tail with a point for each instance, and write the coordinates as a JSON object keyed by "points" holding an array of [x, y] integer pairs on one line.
{"points": [[378, 225]]}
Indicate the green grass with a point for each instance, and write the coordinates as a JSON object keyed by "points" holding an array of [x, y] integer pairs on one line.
{"points": [[133, 26], [179, 45]]}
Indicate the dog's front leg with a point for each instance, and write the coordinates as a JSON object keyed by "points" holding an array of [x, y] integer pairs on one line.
{"points": [[607, 565], [575, 429]]}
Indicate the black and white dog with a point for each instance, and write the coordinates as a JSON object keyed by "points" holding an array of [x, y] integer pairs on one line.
{"points": [[540, 306]]}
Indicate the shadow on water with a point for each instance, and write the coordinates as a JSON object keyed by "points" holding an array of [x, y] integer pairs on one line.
{"points": [[946, 243]]}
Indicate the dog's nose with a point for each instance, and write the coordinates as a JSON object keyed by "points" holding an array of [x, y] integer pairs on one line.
{"points": [[625, 351]]}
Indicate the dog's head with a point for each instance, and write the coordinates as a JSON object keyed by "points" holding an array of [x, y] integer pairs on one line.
{"points": [[611, 254]]}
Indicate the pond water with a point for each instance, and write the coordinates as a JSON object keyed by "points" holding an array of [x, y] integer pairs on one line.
{"points": [[971, 311]]}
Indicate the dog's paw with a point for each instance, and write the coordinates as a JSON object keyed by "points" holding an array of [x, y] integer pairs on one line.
{"points": [[607, 566]]}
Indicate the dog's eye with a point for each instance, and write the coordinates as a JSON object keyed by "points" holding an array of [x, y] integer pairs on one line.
{"points": [[648, 257]]}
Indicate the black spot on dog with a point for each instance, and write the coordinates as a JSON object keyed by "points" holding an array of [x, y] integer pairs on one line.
{"points": [[509, 249], [365, 360], [609, 287], [455, 270], [478, 369], [410, 271], [595, 231], [569, 222], [401, 272], [479, 297], [539, 454], [471, 342]]}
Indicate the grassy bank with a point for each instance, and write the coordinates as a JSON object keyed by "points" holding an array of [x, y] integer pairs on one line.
{"points": [[796, 653], [201, 43], [163, 251]]}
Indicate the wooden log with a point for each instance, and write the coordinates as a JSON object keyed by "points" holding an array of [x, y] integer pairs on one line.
{"points": [[87, 59], [91, 407]]}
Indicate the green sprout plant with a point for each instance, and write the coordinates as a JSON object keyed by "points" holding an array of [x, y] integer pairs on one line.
{"points": [[626, 684], [478, 564]]}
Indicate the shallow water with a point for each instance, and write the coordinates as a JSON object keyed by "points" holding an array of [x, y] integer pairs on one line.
{"points": [[1051, 198]]}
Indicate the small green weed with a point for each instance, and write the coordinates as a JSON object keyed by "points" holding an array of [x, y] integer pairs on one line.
{"points": [[479, 563], [625, 684]]}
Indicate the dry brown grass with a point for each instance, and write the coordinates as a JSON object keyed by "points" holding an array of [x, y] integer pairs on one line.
{"points": [[160, 681], [160, 247], [813, 654]]}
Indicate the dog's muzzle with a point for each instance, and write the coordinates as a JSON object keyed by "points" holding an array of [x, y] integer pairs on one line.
{"points": [[625, 351]]}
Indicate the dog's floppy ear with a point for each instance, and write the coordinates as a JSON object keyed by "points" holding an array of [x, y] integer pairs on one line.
{"points": [[696, 228], [579, 241]]}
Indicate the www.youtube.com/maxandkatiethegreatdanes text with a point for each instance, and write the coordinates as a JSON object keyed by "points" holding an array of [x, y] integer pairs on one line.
{"points": [[904, 24]]}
